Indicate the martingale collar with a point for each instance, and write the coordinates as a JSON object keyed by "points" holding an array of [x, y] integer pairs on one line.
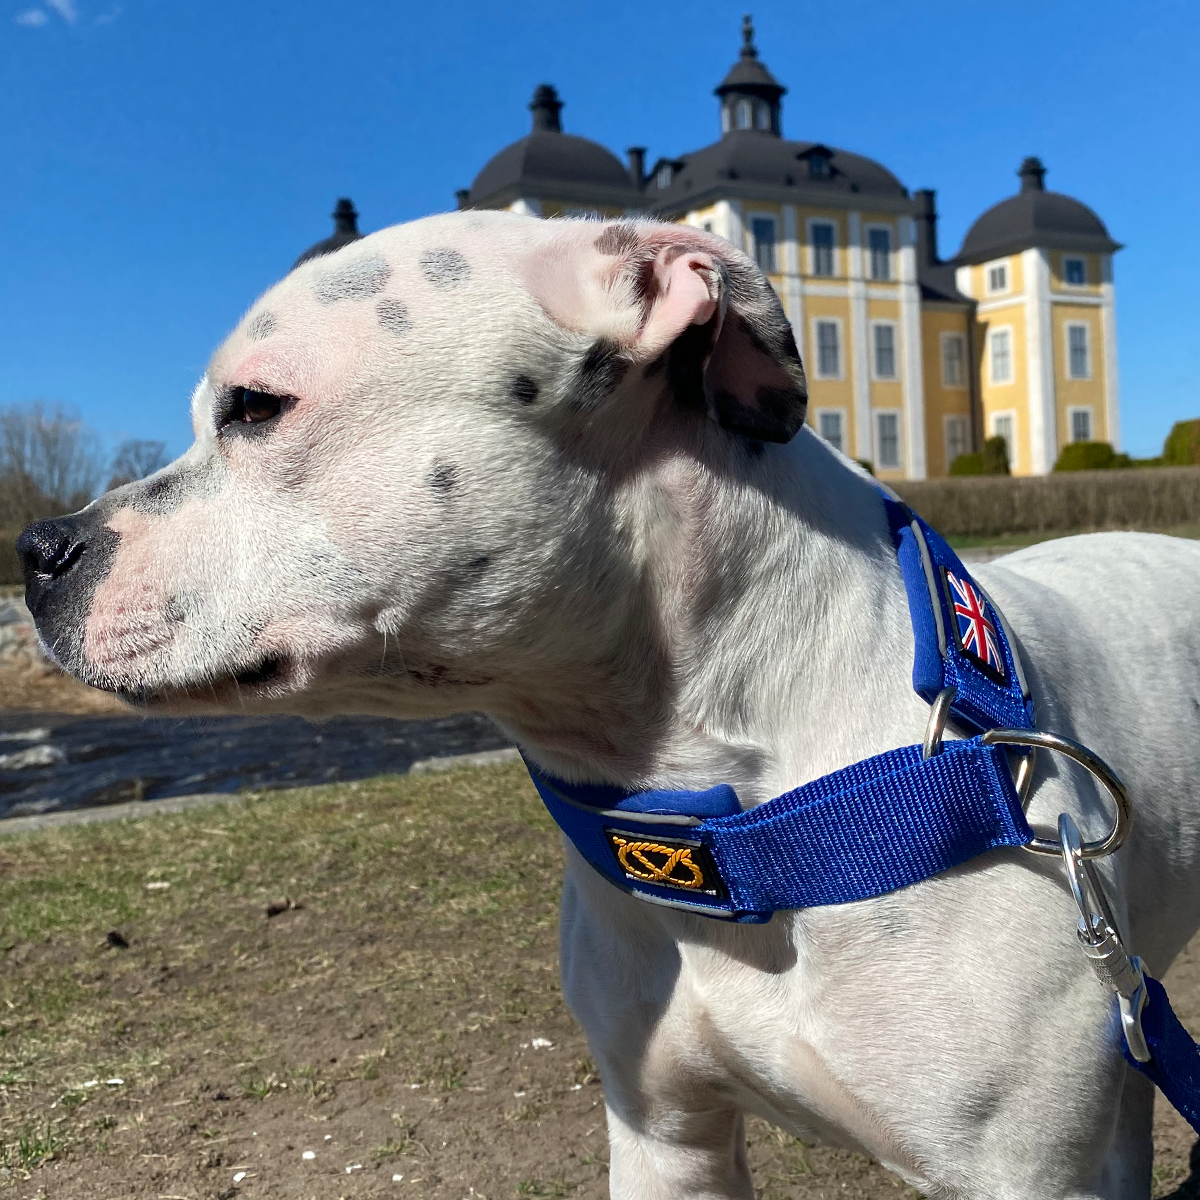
{"points": [[867, 829]]}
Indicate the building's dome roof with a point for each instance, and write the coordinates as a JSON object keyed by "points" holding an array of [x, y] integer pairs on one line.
{"points": [[345, 231], [548, 162], [1034, 217], [759, 158]]}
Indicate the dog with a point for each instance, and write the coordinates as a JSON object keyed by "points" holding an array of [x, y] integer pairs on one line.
{"points": [[558, 471]]}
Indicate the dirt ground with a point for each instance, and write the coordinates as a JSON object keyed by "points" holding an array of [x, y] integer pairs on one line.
{"points": [[349, 991]]}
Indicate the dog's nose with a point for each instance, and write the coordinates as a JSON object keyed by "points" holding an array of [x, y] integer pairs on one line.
{"points": [[49, 549]]}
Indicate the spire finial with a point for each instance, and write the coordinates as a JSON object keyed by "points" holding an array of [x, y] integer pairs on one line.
{"points": [[345, 219], [749, 50], [1032, 175], [545, 107]]}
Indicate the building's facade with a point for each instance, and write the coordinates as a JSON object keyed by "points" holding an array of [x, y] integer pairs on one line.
{"points": [[911, 360]]}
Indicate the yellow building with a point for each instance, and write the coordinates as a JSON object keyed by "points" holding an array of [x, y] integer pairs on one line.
{"points": [[911, 360]]}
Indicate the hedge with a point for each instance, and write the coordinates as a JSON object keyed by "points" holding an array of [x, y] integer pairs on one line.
{"points": [[1065, 502]]}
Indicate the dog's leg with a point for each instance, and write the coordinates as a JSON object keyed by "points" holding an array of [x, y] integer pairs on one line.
{"points": [[1127, 1169], [680, 1156]]}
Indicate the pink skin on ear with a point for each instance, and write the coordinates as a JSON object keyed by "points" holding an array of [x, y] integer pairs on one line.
{"points": [[687, 292]]}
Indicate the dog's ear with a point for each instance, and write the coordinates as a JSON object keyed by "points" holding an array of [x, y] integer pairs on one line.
{"points": [[689, 307]]}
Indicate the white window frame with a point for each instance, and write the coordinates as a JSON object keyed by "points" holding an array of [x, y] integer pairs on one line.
{"points": [[966, 423], [751, 217], [812, 249], [1079, 258], [1011, 414], [816, 345], [988, 268], [1087, 348], [876, 414], [841, 415], [961, 339], [1012, 365], [867, 254], [1072, 409], [878, 324]]}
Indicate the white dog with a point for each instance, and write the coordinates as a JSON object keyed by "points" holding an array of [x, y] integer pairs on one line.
{"points": [[537, 468]]}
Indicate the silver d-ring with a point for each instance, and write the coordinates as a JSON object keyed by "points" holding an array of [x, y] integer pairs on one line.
{"points": [[1115, 838], [935, 727]]}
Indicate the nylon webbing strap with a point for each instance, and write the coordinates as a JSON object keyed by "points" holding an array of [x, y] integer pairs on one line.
{"points": [[873, 827], [1174, 1064]]}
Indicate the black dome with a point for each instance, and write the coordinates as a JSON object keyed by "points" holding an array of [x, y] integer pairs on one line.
{"points": [[758, 158], [1035, 217], [549, 162], [345, 231]]}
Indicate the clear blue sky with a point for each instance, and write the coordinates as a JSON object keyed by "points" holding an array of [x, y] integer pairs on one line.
{"points": [[164, 162]]}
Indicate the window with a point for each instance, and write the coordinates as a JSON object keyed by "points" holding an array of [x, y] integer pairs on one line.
{"points": [[1075, 272], [887, 441], [829, 355], [1000, 347], [763, 229], [762, 116], [1078, 366], [958, 438], [821, 235], [954, 366], [1002, 426], [664, 175], [1081, 424], [829, 425], [997, 278], [819, 167], [743, 114], [880, 243], [884, 337]]}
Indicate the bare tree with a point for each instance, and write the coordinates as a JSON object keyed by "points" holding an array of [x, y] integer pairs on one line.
{"points": [[135, 459], [49, 462]]}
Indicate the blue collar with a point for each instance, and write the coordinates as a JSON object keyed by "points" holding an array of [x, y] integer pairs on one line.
{"points": [[870, 828]]}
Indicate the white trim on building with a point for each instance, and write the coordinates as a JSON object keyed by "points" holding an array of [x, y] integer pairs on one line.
{"points": [[861, 367], [1039, 357], [912, 373], [1108, 325]]}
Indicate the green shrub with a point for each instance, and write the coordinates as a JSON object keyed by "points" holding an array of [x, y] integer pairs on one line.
{"points": [[967, 464], [1182, 447], [1090, 456], [991, 460]]}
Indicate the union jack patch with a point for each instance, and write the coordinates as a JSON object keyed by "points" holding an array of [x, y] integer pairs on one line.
{"points": [[975, 626]]}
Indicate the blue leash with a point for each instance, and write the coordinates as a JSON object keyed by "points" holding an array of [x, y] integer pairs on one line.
{"points": [[891, 820]]}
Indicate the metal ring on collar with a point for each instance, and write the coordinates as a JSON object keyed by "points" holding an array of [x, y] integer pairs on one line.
{"points": [[1115, 838], [935, 727]]}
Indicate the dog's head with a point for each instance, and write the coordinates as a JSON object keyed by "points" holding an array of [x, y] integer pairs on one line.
{"points": [[403, 466]]}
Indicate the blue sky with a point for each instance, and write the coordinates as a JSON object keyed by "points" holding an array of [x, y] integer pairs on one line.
{"points": [[165, 162]]}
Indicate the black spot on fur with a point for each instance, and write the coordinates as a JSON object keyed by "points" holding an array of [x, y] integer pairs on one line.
{"points": [[597, 376], [685, 366], [443, 478], [754, 448], [393, 315], [260, 326], [476, 567], [445, 267], [354, 279], [524, 390], [617, 240], [181, 606]]}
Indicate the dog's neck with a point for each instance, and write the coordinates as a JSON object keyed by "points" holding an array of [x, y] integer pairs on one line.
{"points": [[765, 640]]}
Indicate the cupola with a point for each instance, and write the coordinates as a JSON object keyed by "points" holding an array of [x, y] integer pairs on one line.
{"points": [[750, 95]]}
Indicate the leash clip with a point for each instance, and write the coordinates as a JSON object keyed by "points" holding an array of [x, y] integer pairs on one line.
{"points": [[1114, 967]]}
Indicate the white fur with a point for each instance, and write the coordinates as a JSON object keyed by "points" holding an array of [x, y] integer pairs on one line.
{"points": [[660, 608]]}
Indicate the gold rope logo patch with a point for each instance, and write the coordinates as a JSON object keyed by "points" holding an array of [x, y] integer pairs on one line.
{"points": [[659, 862]]}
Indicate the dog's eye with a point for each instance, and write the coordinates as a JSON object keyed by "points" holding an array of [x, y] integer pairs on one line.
{"points": [[247, 406]]}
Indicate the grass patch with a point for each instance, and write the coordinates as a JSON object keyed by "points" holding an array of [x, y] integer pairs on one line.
{"points": [[1017, 541]]}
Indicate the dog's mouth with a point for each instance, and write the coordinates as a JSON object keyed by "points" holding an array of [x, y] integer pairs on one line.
{"points": [[267, 676]]}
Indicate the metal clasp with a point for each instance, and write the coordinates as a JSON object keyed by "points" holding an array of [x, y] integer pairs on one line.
{"points": [[1117, 970]]}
